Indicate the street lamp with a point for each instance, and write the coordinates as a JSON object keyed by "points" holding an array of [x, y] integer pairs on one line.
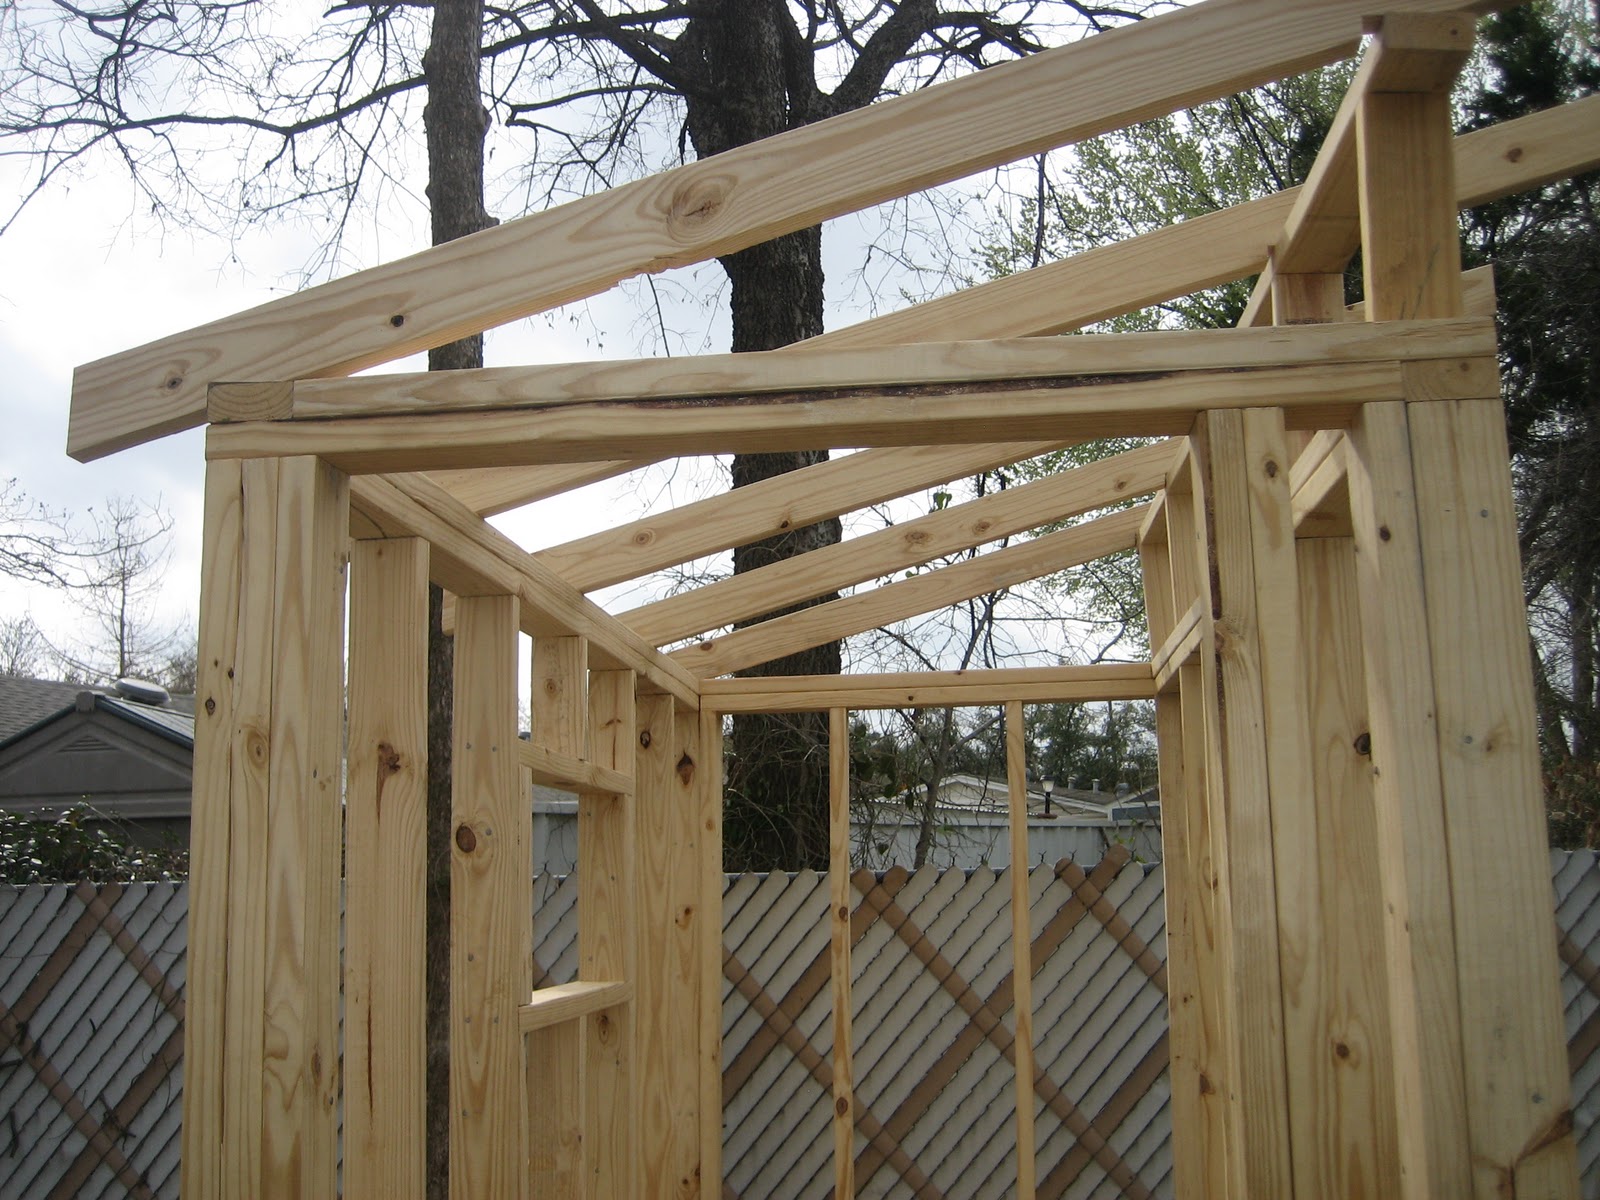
{"points": [[1049, 786]]}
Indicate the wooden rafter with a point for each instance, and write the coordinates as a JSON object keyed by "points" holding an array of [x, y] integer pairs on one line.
{"points": [[715, 207], [912, 597], [929, 689], [911, 543]]}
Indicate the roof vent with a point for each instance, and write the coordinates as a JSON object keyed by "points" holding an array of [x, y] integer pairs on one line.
{"points": [[142, 691]]}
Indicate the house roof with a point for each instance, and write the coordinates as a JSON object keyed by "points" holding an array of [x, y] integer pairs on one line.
{"points": [[29, 704]]}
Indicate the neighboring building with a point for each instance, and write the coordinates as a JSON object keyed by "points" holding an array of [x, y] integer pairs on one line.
{"points": [[130, 761], [972, 826]]}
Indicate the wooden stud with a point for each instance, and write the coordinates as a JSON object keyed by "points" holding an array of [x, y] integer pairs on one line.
{"points": [[1258, 1000], [488, 493], [209, 1156], [1509, 1123], [783, 584], [491, 905], [668, 1022], [300, 1032], [1021, 946], [563, 1004], [708, 809], [608, 929], [839, 907], [559, 726], [385, 1135]]}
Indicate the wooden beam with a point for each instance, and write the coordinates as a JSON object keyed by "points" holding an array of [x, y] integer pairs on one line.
{"points": [[501, 489], [911, 597], [769, 506], [491, 909], [839, 907], [929, 689], [931, 368], [1414, 53], [708, 873], [672, 923], [385, 1042], [877, 555], [570, 774], [1190, 633], [564, 1002], [608, 947], [1481, 1082], [1120, 406], [1021, 947], [472, 558], [558, 731], [714, 207]]}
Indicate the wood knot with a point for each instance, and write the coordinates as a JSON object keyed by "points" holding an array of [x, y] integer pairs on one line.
{"points": [[697, 204], [1383, 533], [211, 707], [1341, 1049], [1272, 469], [685, 768], [388, 759], [466, 839], [645, 739], [397, 320], [1363, 744], [842, 1105]]}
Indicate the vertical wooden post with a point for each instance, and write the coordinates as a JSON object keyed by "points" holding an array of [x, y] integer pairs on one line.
{"points": [[559, 715], [1481, 1076], [385, 1133], [1359, 1150], [709, 810], [262, 1085], [671, 923], [839, 905], [491, 909], [1269, 822], [1021, 946], [608, 929]]}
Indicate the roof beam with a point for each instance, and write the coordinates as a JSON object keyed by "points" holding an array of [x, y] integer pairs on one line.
{"points": [[771, 506], [500, 489], [912, 597], [708, 381], [716, 206], [469, 558], [827, 569], [1315, 397], [929, 689]]}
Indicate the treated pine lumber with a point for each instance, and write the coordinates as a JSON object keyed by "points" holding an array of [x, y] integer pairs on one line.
{"points": [[469, 557], [1478, 297], [558, 728], [563, 771], [1518, 1087], [789, 501], [928, 689], [385, 1042], [209, 1160], [1419, 933], [1414, 53], [911, 543], [671, 925], [1116, 406], [1322, 503], [564, 1002], [1359, 1121], [1021, 947], [491, 906], [912, 597], [1258, 996], [708, 874], [304, 833], [1188, 636], [500, 490], [715, 207], [608, 943], [839, 907], [928, 368]]}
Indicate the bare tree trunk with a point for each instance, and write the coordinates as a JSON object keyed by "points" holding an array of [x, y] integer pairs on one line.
{"points": [[455, 123], [753, 86]]}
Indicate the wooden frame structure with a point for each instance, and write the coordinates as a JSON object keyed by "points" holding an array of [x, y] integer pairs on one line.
{"points": [[1343, 696]]}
